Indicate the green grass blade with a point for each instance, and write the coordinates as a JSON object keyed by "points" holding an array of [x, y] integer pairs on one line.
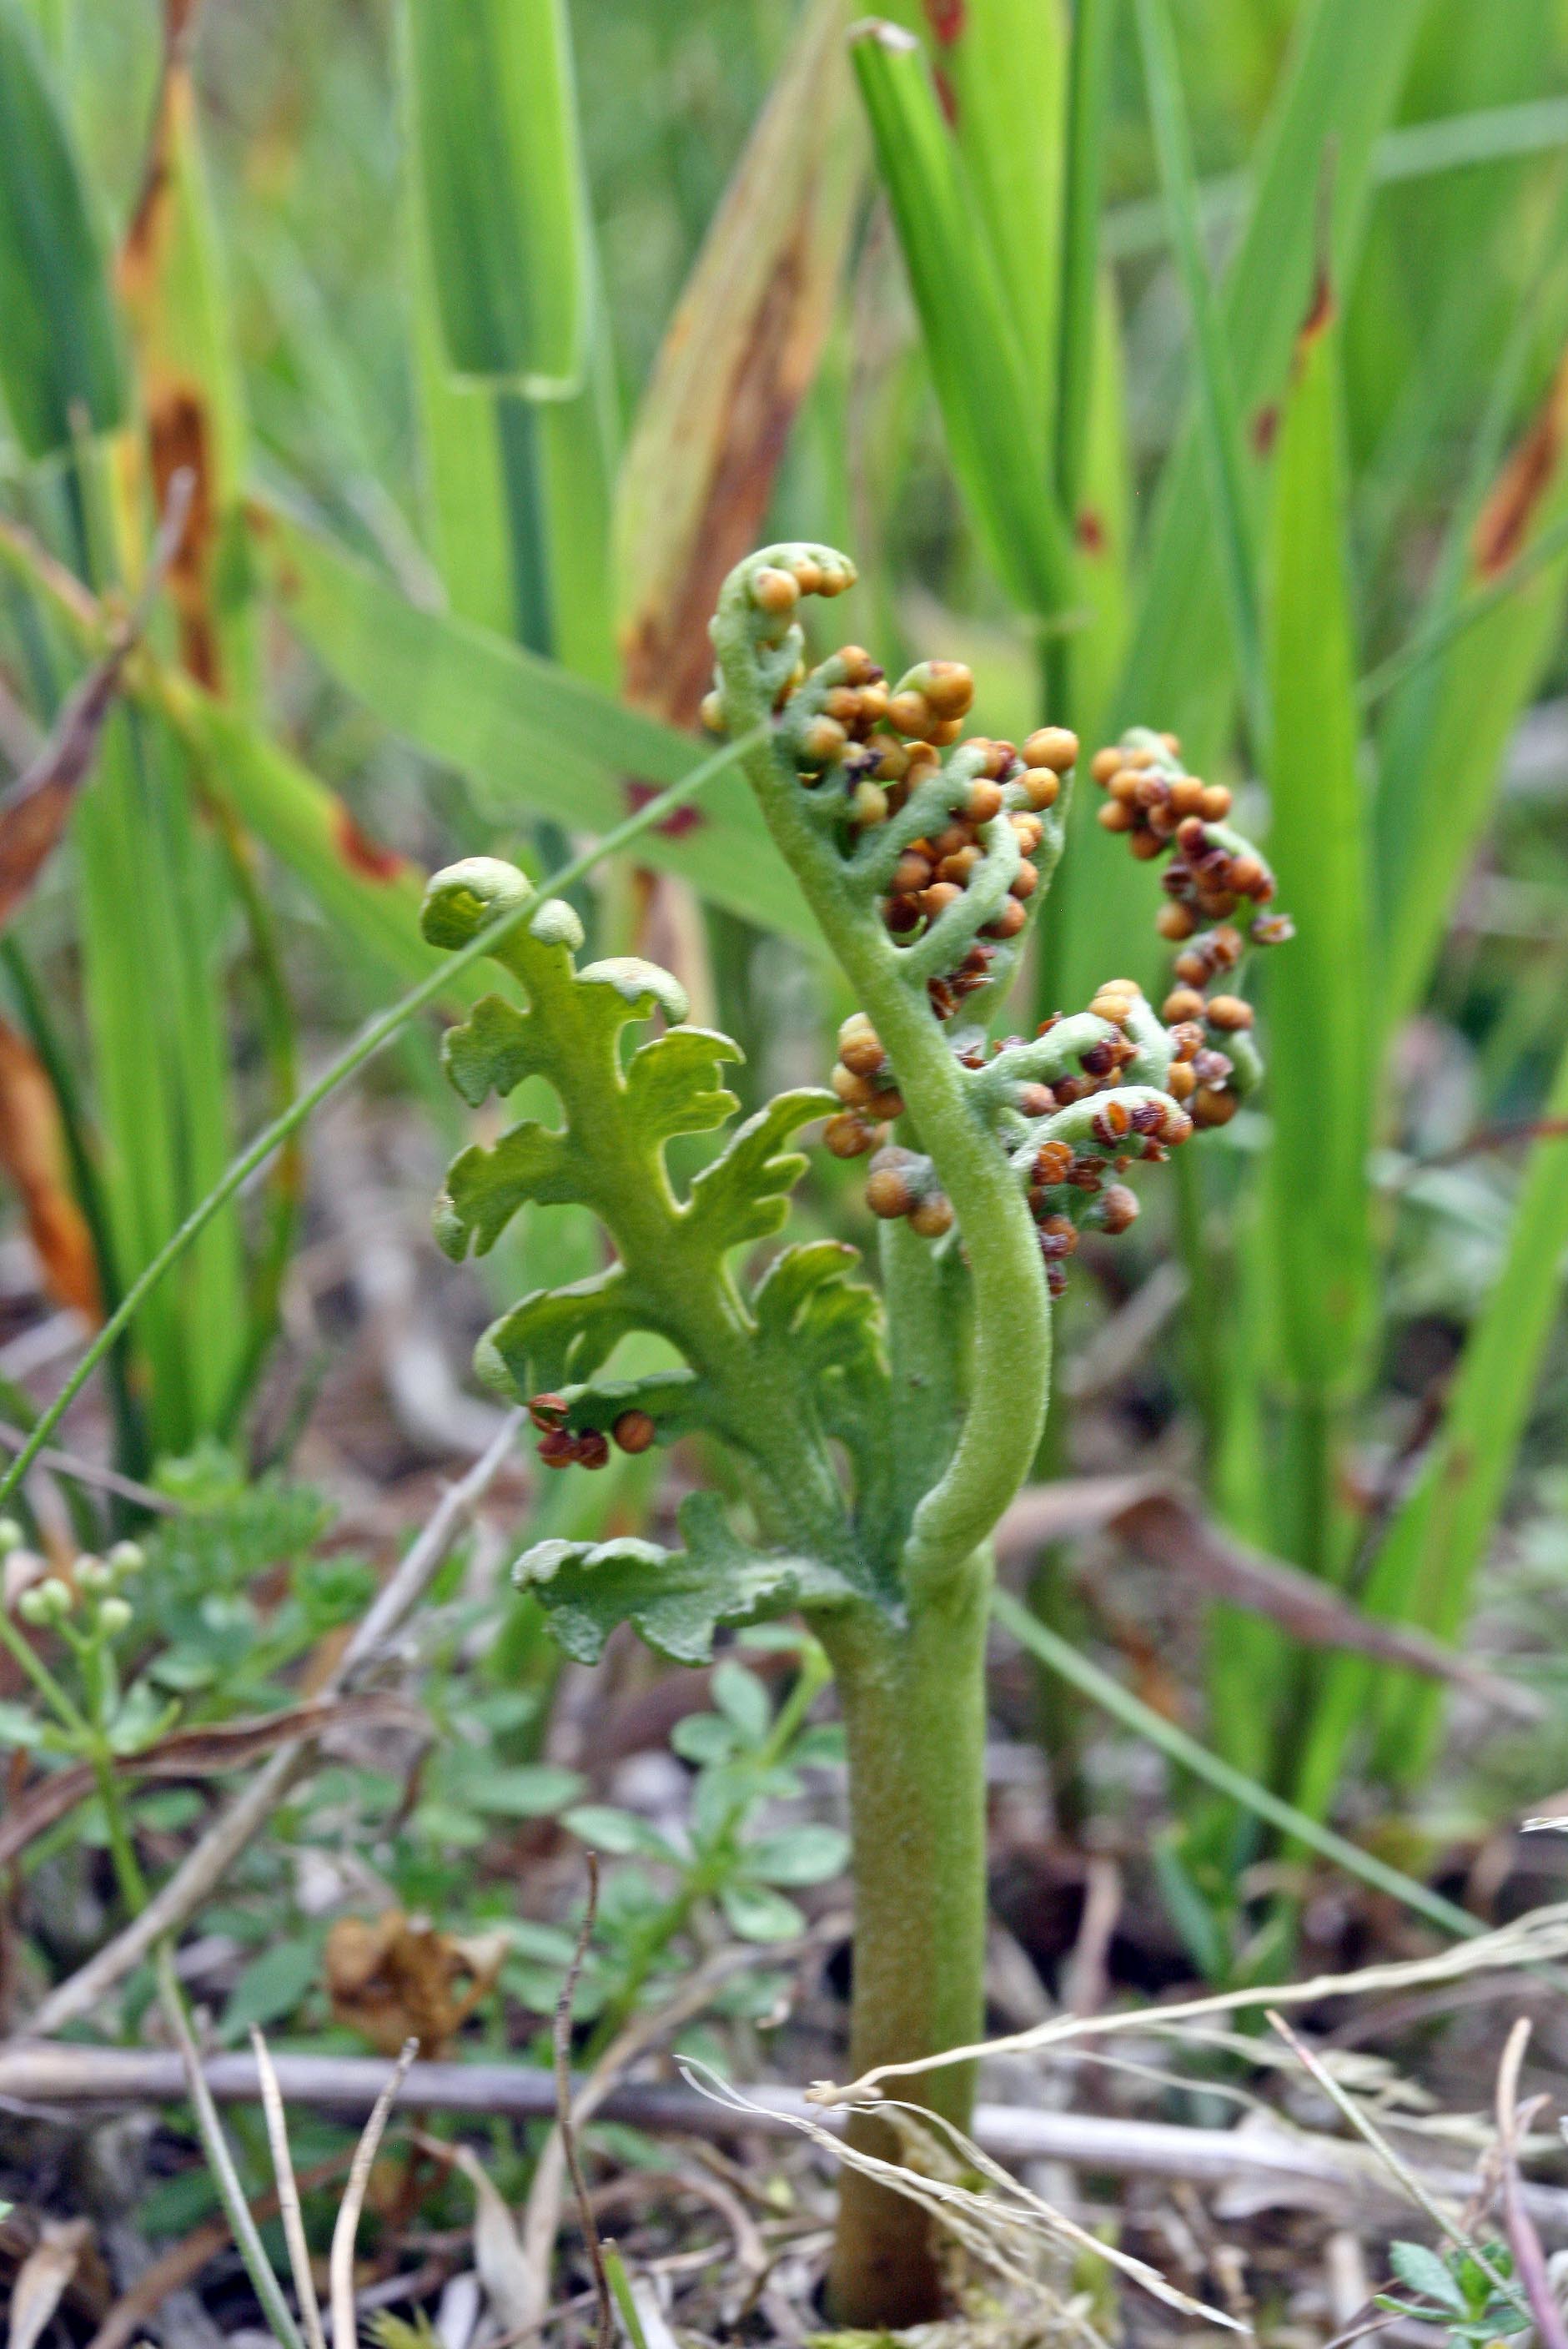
{"points": [[462, 480], [1080, 309], [500, 180], [1347, 67], [1426, 1565], [60, 352], [1004, 64], [579, 453], [739, 356], [173, 287], [995, 422], [1219, 416], [1059, 1657], [1320, 1069], [534, 739], [1445, 734]]}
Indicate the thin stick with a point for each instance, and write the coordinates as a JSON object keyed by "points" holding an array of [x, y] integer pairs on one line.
{"points": [[340, 2266], [209, 1861], [1395, 2163], [561, 2036], [1529, 2259], [92, 1471], [288, 2194], [215, 2143], [65, 2075]]}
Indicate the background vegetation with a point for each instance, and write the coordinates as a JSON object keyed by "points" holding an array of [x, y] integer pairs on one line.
{"points": [[1205, 367]]}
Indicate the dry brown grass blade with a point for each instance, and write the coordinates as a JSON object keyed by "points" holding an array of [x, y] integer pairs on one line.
{"points": [[33, 1155], [1162, 1526], [132, 2314], [345, 2330], [288, 2195], [739, 357], [42, 2278], [198, 1753], [1529, 2259]]}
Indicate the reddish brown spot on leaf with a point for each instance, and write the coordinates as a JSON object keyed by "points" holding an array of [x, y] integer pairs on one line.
{"points": [[33, 1153], [1266, 429], [34, 811], [676, 824], [946, 19], [1323, 309], [947, 98], [363, 854], [1089, 532], [1509, 515], [179, 414]]}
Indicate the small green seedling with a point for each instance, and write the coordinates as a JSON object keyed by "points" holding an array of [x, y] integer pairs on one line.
{"points": [[876, 1437], [1452, 2291]]}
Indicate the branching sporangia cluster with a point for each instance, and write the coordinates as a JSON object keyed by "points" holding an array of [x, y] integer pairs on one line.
{"points": [[922, 853]]}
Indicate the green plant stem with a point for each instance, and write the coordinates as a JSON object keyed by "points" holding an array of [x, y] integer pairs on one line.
{"points": [[378, 1032], [914, 1715], [1010, 1372]]}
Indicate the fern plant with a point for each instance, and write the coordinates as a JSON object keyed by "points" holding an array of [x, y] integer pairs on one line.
{"points": [[877, 1435]]}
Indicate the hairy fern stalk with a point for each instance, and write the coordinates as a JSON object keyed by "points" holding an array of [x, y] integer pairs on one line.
{"points": [[877, 1437]]}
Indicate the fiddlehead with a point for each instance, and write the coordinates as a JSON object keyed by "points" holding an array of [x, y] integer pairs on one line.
{"points": [[924, 856]]}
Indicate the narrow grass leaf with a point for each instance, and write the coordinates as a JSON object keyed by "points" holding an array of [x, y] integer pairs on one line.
{"points": [[739, 356], [500, 180], [1319, 990], [1219, 418], [993, 420], [1080, 305], [534, 739], [171, 281], [1444, 735], [1424, 1569], [60, 355], [1001, 64], [1060, 1657], [1341, 85]]}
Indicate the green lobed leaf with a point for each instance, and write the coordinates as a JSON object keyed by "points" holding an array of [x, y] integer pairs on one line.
{"points": [[808, 1364], [676, 1600]]}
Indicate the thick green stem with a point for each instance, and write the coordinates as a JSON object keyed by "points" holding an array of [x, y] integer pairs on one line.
{"points": [[914, 1713]]}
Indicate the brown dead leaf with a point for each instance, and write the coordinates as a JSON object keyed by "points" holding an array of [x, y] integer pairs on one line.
{"points": [[42, 2278], [739, 356], [396, 1978], [198, 1753], [33, 1155], [34, 811]]}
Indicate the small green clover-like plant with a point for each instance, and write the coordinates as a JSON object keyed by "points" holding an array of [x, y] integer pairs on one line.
{"points": [[737, 1858], [877, 1438], [1454, 2292]]}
